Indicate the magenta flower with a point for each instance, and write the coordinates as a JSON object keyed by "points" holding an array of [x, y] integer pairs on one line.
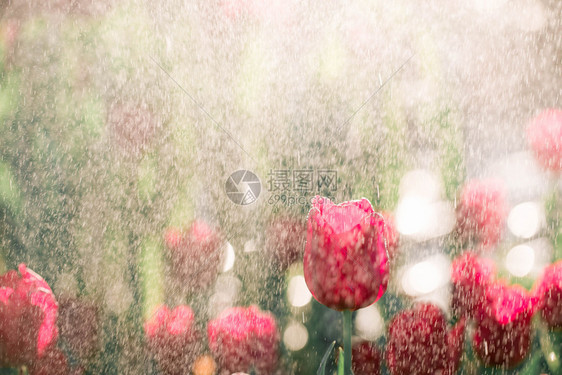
{"points": [[419, 342], [28, 313], [345, 259], [482, 211], [172, 338], [196, 255], [544, 134], [549, 293], [391, 234], [503, 331], [244, 338], [470, 277]]}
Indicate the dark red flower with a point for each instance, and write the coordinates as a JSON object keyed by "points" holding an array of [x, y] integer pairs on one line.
{"points": [[244, 338], [503, 331], [345, 260], [419, 342], [470, 277], [549, 293], [455, 346], [366, 359], [285, 239], [482, 211], [173, 339], [54, 362], [544, 134], [28, 313], [78, 323], [197, 258]]}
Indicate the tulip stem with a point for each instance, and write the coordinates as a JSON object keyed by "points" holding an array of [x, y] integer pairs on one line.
{"points": [[347, 341]]}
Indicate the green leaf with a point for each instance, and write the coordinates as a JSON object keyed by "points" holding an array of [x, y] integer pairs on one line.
{"points": [[550, 347], [532, 365], [341, 362], [151, 275], [322, 368]]}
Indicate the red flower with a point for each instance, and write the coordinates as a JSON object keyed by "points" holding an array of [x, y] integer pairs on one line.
{"points": [[78, 322], [242, 338], [172, 339], [54, 362], [196, 256], [482, 211], [503, 331], [419, 342], [549, 293], [28, 313], [470, 276], [545, 137], [367, 359], [285, 239], [345, 260]]}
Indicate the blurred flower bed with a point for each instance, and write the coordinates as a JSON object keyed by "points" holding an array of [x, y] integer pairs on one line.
{"points": [[121, 253]]}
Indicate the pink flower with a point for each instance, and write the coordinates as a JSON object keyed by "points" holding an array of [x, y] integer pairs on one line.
{"points": [[391, 236], [345, 260], [244, 338], [173, 238], [78, 322], [419, 342], [544, 134], [470, 277], [54, 362], [172, 339], [549, 293], [285, 239], [503, 331], [482, 211], [28, 313], [367, 359], [196, 256]]}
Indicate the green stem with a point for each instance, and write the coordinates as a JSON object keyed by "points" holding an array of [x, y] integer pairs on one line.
{"points": [[347, 341]]}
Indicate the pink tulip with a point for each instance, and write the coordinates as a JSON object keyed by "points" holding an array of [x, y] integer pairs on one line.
{"points": [[28, 313], [345, 259]]}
